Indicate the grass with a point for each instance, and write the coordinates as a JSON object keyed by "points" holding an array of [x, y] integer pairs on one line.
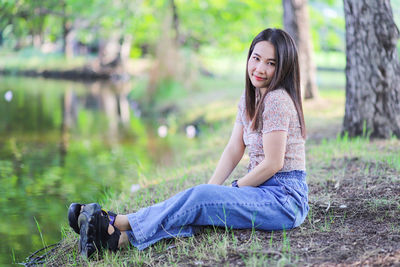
{"points": [[30, 59], [40, 232], [330, 59], [13, 261]]}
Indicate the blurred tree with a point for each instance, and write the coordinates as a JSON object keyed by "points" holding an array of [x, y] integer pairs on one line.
{"points": [[21, 15], [175, 20], [118, 29], [296, 23], [138, 24], [372, 70], [131, 29], [226, 24]]}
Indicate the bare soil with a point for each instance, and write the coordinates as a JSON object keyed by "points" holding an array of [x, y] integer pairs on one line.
{"points": [[359, 225]]}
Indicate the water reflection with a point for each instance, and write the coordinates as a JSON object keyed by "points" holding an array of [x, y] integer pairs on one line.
{"points": [[109, 98], [62, 142]]}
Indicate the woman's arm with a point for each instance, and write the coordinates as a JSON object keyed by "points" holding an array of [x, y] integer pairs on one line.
{"points": [[231, 156], [274, 144]]}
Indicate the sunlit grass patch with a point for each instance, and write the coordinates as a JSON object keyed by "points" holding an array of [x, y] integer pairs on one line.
{"points": [[330, 59], [368, 150], [331, 79], [31, 59]]}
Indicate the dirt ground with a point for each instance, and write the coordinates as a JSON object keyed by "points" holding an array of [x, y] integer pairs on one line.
{"points": [[359, 226]]}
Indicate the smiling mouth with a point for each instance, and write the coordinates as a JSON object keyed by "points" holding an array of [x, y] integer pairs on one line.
{"points": [[259, 78]]}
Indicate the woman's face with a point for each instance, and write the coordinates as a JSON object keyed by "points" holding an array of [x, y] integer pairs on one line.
{"points": [[261, 64]]}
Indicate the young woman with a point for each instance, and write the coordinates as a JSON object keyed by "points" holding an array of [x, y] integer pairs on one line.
{"points": [[273, 195]]}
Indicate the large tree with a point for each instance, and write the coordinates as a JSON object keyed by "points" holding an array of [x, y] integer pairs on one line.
{"points": [[296, 23], [372, 69]]}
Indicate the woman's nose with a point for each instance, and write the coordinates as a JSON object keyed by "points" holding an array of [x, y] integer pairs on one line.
{"points": [[260, 68]]}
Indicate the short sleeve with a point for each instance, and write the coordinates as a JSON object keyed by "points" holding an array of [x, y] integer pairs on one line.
{"points": [[276, 114], [239, 116]]}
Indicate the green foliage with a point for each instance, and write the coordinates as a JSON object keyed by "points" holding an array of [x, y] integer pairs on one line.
{"points": [[227, 26], [221, 23], [327, 25], [209, 23]]}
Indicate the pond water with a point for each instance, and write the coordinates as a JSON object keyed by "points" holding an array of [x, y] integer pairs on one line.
{"points": [[63, 142]]}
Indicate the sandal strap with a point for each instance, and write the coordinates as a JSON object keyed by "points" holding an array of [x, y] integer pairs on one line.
{"points": [[107, 240], [113, 240], [111, 216]]}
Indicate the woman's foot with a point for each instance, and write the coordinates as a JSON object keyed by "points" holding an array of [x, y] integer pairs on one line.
{"points": [[93, 224]]}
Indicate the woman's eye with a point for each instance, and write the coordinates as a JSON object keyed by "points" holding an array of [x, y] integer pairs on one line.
{"points": [[256, 58], [271, 63]]}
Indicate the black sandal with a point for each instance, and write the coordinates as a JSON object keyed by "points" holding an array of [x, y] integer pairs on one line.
{"points": [[73, 213], [93, 223]]}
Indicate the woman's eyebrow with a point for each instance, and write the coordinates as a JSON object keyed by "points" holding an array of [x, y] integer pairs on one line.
{"points": [[262, 57]]}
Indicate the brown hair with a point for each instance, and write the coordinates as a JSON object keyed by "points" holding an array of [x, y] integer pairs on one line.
{"points": [[286, 76]]}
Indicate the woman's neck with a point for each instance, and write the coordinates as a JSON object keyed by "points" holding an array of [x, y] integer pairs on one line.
{"points": [[262, 90]]}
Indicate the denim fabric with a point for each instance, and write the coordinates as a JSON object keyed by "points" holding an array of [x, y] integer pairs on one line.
{"points": [[279, 203]]}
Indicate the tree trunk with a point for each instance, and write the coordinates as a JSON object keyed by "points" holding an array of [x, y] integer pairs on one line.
{"points": [[175, 21], [109, 51], [70, 42], [67, 34], [296, 23], [37, 40], [126, 48], [37, 32], [372, 70]]}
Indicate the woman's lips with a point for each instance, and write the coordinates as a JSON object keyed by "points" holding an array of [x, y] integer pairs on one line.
{"points": [[259, 78]]}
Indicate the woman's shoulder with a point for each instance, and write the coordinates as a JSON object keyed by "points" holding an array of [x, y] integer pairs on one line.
{"points": [[278, 96]]}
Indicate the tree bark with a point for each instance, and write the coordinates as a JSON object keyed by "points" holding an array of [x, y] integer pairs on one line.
{"points": [[175, 20], [372, 70], [126, 48], [109, 51], [67, 34], [296, 23]]}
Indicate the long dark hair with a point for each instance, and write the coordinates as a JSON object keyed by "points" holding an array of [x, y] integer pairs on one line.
{"points": [[286, 76]]}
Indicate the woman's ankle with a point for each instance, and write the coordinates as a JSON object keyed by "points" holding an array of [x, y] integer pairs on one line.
{"points": [[122, 222]]}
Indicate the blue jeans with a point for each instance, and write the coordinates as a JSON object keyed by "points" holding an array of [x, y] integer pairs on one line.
{"points": [[279, 203]]}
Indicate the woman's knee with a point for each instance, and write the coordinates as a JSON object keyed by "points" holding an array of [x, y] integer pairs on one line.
{"points": [[204, 191]]}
